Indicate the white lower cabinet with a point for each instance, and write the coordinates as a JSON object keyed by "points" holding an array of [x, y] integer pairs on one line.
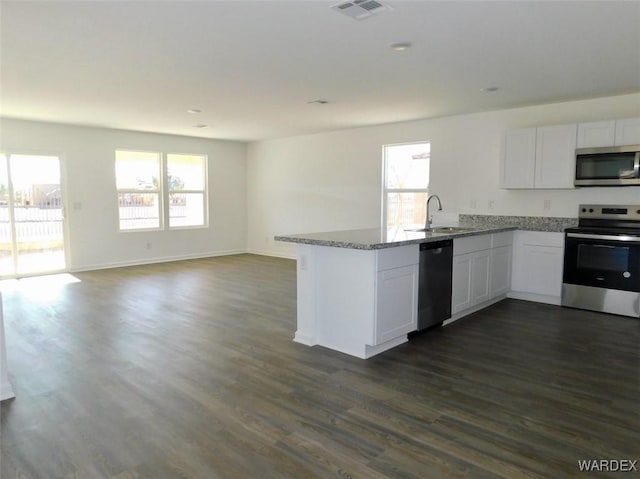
{"points": [[396, 302], [501, 270], [364, 302], [461, 288], [481, 270], [537, 266], [480, 280], [470, 280], [359, 302]]}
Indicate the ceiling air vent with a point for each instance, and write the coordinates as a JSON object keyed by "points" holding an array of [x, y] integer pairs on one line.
{"points": [[361, 9]]}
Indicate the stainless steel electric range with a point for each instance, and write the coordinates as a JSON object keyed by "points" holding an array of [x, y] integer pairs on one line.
{"points": [[602, 260]]}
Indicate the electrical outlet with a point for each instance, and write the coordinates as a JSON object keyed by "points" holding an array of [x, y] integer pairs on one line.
{"points": [[547, 204], [303, 262], [492, 204], [148, 245]]}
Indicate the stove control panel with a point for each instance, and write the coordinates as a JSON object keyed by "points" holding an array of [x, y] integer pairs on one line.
{"points": [[612, 212]]}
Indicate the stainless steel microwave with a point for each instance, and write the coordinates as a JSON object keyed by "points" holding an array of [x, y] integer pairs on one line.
{"points": [[608, 166]]}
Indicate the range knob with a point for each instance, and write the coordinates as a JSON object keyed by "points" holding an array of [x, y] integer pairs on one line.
{"points": [[584, 210], [590, 210]]}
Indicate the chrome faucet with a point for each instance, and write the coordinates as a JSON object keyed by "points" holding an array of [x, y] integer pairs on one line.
{"points": [[428, 220]]}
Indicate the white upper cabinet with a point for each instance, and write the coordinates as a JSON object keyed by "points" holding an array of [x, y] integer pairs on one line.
{"points": [[555, 156], [596, 134], [518, 159], [609, 133], [539, 157], [627, 132]]}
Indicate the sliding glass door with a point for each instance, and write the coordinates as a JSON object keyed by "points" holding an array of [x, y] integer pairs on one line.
{"points": [[31, 216]]}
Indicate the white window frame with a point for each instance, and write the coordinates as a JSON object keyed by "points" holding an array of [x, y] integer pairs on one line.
{"points": [[157, 191], [385, 190], [204, 191], [164, 194]]}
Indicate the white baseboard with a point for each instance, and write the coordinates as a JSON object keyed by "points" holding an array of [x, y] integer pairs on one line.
{"points": [[306, 339], [161, 259], [371, 351], [473, 309], [6, 391], [271, 253], [538, 298]]}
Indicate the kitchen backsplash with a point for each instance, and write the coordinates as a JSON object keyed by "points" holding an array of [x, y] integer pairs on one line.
{"points": [[529, 223]]}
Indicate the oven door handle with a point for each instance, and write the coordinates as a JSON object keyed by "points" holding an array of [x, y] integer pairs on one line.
{"points": [[604, 237]]}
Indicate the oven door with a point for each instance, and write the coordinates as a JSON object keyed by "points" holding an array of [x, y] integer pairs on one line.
{"points": [[602, 261]]}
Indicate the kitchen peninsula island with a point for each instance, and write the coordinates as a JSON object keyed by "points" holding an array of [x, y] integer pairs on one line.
{"points": [[358, 289]]}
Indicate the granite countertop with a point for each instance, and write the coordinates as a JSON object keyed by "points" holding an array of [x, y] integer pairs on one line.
{"points": [[377, 238], [528, 223]]}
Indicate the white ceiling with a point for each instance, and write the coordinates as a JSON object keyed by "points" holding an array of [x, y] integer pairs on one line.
{"points": [[251, 67]]}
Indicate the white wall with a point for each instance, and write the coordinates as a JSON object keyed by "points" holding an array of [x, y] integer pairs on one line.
{"points": [[332, 181], [321, 182], [89, 179]]}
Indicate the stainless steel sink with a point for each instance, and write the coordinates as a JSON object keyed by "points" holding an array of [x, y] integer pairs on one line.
{"points": [[444, 229]]}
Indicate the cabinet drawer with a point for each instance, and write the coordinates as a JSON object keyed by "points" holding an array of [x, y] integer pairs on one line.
{"points": [[471, 244], [389, 258], [540, 238]]}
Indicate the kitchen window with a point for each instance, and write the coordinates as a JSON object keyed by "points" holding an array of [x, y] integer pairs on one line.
{"points": [[157, 190], [405, 184]]}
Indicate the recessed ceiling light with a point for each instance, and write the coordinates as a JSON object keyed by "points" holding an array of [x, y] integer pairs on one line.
{"points": [[319, 101], [200, 125], [400, 47], [194, 111], [490, 89]]}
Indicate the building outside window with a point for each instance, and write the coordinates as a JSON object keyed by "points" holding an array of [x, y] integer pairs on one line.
{"points": [[158, 191], [405, 184]]}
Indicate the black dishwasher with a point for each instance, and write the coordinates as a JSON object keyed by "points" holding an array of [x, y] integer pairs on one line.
{"points": [[434, 285]]}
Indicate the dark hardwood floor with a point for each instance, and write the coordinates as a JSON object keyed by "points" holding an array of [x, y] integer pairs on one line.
{"points": [[188, 370]]}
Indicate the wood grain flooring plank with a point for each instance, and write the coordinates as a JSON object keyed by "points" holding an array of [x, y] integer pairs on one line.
{"points": [[188, 370]]}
